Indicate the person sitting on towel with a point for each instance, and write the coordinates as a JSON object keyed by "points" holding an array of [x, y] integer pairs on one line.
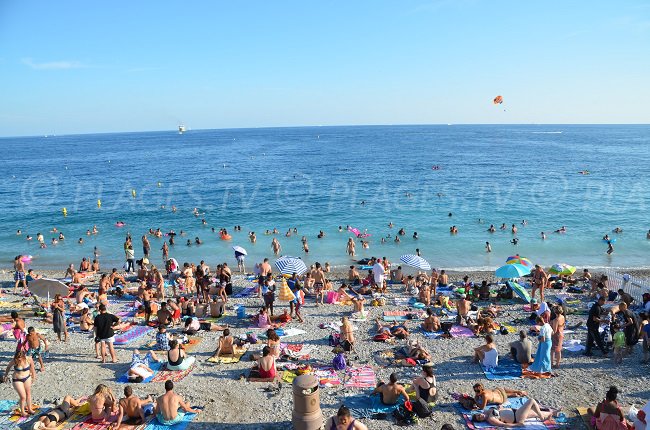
{"points": [[176, 357], [344, 420], [167, 407], [390, 393]]}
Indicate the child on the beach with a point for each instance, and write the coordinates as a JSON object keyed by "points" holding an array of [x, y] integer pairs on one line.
{"points": [[34, 342], [619, 345]]}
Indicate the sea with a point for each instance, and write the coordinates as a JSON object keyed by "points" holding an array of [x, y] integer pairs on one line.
{"points": [[590, 179]]}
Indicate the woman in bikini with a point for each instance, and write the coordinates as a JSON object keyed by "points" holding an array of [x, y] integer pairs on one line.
{"points": [[273, 342], [56, 416], [265, 370], [346, 334], [511, 417], [344, 421], [102, 404], [22, 379]]}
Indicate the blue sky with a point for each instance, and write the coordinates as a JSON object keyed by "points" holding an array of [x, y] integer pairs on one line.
{"points": [[79, 67]]}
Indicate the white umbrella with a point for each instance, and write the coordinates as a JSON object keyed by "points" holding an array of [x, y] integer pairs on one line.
{"points": [[290, 265], [240, 250], [45, 287], [415, 261]]}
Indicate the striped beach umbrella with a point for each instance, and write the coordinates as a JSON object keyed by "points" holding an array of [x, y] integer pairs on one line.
{"points": [[510, 271], [415, 261], [289, 265], [518, 259]]}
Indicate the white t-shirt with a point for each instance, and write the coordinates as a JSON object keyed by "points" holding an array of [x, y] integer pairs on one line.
{"points": [[543, 307], [378, 273], [491, 358]]}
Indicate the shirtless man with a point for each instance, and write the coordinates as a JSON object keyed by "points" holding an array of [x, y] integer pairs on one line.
{"points": [[463, 306], [34, 342], [114, 276], [319, 282], [265, 268], [95, 266], [84, 266], [275, 246], [540, 280], [19, 275], [163, 314], [69, 272], [431, 322], [168, 405], [131, 408], [390, 393], [443, 279], [225, 346], [217, 308], [498, 396]]}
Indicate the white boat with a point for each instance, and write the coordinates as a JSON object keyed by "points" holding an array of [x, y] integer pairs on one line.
{"points": [[181, 129]]}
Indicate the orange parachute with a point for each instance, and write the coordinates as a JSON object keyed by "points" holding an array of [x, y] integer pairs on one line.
{"points": [[497, 100]]}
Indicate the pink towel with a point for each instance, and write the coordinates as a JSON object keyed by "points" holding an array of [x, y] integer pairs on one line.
{"points": [[460, 331]]}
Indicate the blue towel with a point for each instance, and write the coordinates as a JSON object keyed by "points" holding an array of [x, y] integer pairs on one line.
{"points": [[507, 369], [7, 406], [432, 334], [155, 425], [365, 406]]}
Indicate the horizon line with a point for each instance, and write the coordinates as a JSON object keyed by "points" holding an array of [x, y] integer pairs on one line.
{"points": [[189, 130]]}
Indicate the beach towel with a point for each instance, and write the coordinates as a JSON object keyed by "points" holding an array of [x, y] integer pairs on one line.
{"points": [[327, 377], [432, 334], [192, 343], [239, 353], [134, 332], [88, 424], [289, 332], [288, 376], [515, 403], [527, 374], [246, 292], [403, 301], [171, 375], [390, 316], [573, 345], [365, 406], [154, 424], [507, 369], [360, 377], [460, 331]]}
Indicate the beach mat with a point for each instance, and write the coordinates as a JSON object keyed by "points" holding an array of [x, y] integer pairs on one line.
{"points": [[360, 377], [154, 424], [460, 331], [88, 424], [171, 375], [155, 366], [431, 334], [527, 374], [239, 353], [506, 370], [131, 334], [364, 406], [190, 346]]}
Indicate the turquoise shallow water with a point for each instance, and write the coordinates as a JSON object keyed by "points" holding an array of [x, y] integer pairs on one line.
{"points": [[315, 178]]}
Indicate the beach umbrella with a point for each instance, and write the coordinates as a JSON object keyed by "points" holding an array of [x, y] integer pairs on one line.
{"points": [[518, 259], [239, 250], [45, 287], [285, 294], [562, 269], [510, 271], [415, 261], [289, 265]]}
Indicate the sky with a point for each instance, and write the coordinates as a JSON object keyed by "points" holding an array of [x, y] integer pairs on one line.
{"points": [[84, 67]]}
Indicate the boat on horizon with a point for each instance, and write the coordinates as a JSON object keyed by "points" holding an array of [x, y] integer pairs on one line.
{"points": [[181, 129]]}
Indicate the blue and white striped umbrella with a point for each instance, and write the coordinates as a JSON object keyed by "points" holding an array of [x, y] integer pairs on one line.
{"points": [[415, 261], [289, 265]]}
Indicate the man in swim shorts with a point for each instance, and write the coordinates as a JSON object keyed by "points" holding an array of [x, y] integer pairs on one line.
{"points": [[168, 405], [133, 409], [19, 274], [390, 393]]}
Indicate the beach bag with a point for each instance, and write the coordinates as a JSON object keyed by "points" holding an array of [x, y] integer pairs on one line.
{"points": [[405, 415], [382, 337], [338, 363], [422, 408]]}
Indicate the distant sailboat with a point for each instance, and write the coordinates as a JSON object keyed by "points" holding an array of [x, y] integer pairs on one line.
{"points": [[181, 129]]}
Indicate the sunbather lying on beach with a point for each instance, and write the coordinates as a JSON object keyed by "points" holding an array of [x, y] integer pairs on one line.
{"points": [[394, 329], [55, 416], [496, 396], [511, 417]]}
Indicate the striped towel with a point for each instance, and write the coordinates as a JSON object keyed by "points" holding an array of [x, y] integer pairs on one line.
{"points": [[134, 332], [360, 377]]}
